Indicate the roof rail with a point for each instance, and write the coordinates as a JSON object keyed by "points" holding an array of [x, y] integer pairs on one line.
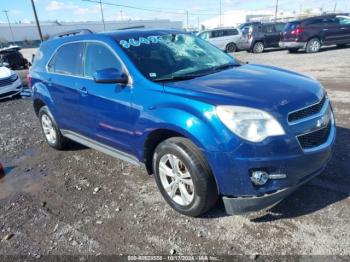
{"points": [[132, 27], [72, 33]]}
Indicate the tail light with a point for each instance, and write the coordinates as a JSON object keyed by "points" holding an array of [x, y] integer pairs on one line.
{"points": [[29, 81], [297, 31]]}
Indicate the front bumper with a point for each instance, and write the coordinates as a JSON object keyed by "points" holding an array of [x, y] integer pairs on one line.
{"points": [[11, 90], [292, 45], [242, 205]]}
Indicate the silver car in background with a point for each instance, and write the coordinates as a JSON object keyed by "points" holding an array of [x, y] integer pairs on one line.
{"points": [[227, 39]]}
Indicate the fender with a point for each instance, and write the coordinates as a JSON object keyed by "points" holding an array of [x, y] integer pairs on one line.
{"points": [[40, 92]]}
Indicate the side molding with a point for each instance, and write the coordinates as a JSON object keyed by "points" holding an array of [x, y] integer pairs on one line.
{"points": [[101, 147]]}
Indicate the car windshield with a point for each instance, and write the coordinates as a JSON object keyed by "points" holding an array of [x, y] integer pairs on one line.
{"points": [[175, 57]]}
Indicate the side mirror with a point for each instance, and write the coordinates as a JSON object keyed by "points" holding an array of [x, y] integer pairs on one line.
{"points": [[110, 75]]}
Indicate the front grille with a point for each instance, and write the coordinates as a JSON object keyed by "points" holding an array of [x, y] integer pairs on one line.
{"points": [[316, 138], [306, 112], [8, 81]]}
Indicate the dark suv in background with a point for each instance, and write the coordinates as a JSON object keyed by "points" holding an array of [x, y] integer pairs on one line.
{"points": [[312, 33], [259, 36]]}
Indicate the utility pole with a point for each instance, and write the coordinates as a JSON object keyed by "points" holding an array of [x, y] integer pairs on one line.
{"points": [[335, 6], [276, 11], [102, 16], [220, 13], [187, 18], [37, 21], [8, 20]]}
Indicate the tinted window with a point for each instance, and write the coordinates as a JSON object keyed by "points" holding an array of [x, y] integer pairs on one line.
{"points": [[268, 28], [279, 27], [99, 57], [230, 32], [291, 26], [218, 33], [68, 60]]}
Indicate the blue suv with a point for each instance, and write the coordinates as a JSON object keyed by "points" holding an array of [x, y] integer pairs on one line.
{"points": [[204, 124]]}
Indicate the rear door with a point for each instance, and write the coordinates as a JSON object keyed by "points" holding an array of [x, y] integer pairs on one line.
{"points": [[272, 37], [105, 107], [217, 38], [62, 79]]}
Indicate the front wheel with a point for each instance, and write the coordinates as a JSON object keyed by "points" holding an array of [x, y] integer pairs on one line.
{"points": [[313, 46], [184, 177]]}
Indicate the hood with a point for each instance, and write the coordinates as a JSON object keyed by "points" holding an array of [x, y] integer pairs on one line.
{"points": [[5, 72], [264, 87]]}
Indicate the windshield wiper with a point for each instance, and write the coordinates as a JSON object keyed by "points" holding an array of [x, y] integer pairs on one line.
{"points": [[177, 78], [224, 67]]}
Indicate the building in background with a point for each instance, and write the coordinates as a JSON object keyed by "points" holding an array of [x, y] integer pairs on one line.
{"points": [[26, 34]]}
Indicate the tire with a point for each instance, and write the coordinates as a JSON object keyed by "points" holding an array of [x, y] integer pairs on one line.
{"points": [[293, 50], [50, 130], [313, 45], [258, 47], [231, 48], [191, 165]]}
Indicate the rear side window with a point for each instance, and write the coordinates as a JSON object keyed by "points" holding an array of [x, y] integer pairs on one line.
{"points": [[67, 60], [218, 33], [230, 32], [279, 27], [291, 26], [99, 57], [268, 28]]}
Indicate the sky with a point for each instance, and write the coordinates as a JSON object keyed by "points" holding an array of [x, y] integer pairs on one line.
{"points": [[198, 10]]}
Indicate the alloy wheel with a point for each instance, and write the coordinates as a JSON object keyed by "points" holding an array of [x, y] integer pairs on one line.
{"points": [[176, 179], [49, 130]]}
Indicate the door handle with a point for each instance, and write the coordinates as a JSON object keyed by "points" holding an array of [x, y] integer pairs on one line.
{"points": [[49, 81], [83, 90]]}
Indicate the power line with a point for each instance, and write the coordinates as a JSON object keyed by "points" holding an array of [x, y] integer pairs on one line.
{"points": [[156, 10]]}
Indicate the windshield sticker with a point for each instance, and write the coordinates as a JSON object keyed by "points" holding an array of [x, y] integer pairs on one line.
{"points": [[142, 40]]}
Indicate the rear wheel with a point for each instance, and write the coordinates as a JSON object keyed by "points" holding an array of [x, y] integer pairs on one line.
{"points": [[293, 50], [258, 47], [313, 45], [231, 48], [184, 177], [50, 130]]}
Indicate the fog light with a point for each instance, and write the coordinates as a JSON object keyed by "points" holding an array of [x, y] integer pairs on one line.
{"points": [[259, 178]]}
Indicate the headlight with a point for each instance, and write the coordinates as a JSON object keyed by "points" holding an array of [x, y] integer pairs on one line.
{"points": [[14, 76], [248, 123]]}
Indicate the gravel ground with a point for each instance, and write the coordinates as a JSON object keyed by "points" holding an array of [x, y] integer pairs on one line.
{"points": [[83, 202]]}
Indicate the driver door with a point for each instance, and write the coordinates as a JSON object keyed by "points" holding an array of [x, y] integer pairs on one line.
{"points": [[105, 107]]}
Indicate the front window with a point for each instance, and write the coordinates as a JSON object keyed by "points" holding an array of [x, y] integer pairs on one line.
{"points": [[175, 56], [99, 57]]}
